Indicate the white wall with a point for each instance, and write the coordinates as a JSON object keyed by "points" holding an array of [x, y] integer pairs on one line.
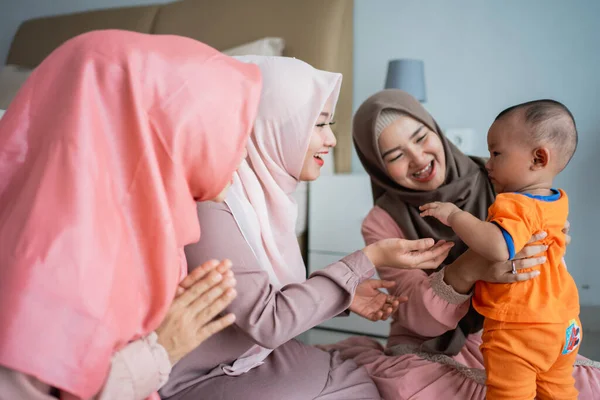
{"points": [[13, 12], [483, 56]]}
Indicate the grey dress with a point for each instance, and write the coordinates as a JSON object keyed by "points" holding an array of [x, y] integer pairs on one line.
{"points": [[270, 318]]}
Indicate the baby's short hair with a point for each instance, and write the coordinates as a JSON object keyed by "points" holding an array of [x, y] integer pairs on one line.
{"points": [[550, 122]]}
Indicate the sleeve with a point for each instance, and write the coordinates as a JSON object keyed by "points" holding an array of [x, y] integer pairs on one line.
{"points": [[433, 307], [137, 370], [268, 315], [515, 215]]}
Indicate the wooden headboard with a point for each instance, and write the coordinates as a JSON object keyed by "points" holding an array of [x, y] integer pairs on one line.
{"points": [[319, 32]]}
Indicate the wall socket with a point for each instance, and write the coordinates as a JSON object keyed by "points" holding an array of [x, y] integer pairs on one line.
{"points": [[463, 138]]}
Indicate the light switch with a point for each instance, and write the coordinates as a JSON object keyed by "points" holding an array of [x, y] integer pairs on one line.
{"points": [[463, 138]]}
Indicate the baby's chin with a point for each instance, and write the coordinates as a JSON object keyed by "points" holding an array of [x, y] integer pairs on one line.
{"points": [[501, 188]]}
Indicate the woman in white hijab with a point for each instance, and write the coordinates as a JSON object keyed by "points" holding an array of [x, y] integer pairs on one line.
{"points": [[257, 358]]}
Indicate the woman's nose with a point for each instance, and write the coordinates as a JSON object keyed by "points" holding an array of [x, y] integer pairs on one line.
{"points": [[330, 140], [417, 156]]}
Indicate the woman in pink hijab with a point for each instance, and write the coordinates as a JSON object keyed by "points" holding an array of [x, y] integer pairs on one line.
{"points": [[257, 358], [103, 155]]}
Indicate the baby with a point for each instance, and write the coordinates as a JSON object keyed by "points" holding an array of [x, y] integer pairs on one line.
{"points": [[532, 332]]}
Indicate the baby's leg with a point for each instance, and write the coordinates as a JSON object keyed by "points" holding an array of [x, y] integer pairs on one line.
{"points": [[558, 381], [510, 376]]}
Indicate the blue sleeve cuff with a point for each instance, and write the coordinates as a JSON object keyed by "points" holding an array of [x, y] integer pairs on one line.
{"points": [[509, 241]]}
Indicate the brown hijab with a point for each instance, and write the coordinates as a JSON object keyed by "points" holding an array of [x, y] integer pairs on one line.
{"points": [[466, 185]]}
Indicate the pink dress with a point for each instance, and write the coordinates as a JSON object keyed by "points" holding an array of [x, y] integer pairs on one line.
{"points": [[271, 318], [432, 309]]}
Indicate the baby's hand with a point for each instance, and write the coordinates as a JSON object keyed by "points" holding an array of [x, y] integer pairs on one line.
{"points": [[439, 210]]}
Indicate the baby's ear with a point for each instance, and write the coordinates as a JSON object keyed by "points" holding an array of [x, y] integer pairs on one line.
{"points": [[540, 158]]}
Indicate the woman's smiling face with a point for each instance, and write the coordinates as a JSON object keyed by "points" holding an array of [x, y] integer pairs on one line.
{"points": [[413, 154]]}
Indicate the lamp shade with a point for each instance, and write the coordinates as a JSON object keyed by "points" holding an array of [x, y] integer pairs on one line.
{"points": [[407, 75]]}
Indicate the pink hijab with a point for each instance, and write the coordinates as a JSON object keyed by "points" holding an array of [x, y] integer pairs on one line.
{"points": [[102, 155]]}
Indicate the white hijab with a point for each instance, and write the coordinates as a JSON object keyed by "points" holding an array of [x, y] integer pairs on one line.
{"points": [[293, 96], [260, 199]]}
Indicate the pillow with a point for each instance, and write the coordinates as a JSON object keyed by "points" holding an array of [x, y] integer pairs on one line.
{"points": [[270, 46], [12, 78]]}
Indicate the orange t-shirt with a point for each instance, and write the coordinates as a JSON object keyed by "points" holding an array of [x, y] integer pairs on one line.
{"points": [[552, 296]]}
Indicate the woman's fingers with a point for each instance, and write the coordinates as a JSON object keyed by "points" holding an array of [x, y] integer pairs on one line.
{"points": [[216, 271], [508, 277], [189, 320], [208, 297], [416, 245], [520, 277], [567, 227], [439, 243], [386, 313], [537, 237], [224, 267], [391, 303], [566, 230], [530, 251], [205, 311], [396, 302], [443, 247], [431, 258], [529, 262], [199, 288], [200, 272], [381, 284], [533, 250], [216, 326], [179, 291], [441, 257], [402, 299], [377, 316]]}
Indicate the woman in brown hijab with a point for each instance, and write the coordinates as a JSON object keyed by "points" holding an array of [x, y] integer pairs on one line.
{"points": [[433, 347]]}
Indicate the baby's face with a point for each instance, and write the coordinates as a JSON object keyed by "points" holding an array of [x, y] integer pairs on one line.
{"points": [[510, 155]]}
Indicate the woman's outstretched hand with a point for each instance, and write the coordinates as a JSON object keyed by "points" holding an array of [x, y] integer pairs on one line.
{"points": [[371, 303], [408, 254]]}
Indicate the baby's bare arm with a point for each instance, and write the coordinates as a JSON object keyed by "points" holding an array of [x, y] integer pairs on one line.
{"points": [[482, 237]]}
